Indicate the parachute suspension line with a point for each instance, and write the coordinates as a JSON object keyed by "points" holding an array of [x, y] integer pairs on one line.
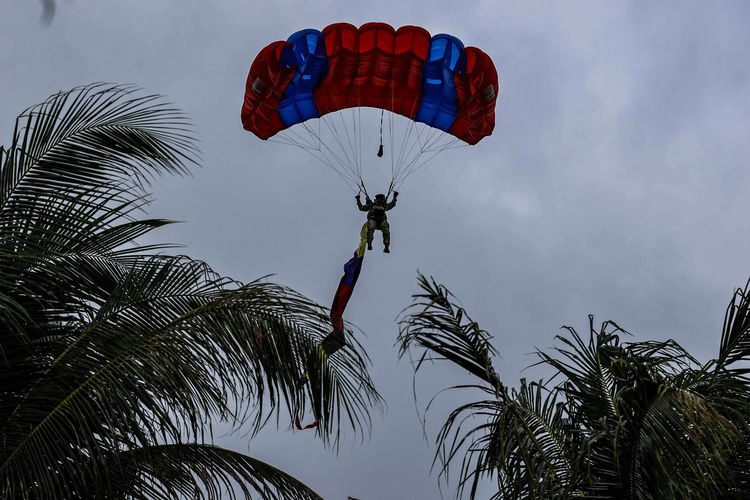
{"points": [[380, 149], [357, 123], [359, 140], [435, 136], [451, 144], [350, 140], [391, 148], [332, 152], [390, 127], [409, 155], [350, 154], [346, 131], [429, 143], [321, 158], [390, 188], [313, 148], [404, 141], [408, 167], [305, 141], [342, 151], [335, 134], [404, 159]]}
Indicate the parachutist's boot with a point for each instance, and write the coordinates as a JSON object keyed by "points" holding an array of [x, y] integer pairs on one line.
{"points": [[386, 250], [369, 245]]}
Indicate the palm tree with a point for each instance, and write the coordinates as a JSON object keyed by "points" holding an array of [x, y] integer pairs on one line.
{"points": [[619, 420], [115, 357]]}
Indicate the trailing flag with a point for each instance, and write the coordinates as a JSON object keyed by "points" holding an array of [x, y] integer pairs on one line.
{"points": [[335, 340], [352, 268]]}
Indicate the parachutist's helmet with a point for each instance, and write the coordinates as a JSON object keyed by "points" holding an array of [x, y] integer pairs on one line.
{"points": [[380, 196]]}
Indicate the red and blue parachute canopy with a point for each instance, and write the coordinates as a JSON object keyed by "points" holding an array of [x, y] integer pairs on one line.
{"points": [[433, 80]]}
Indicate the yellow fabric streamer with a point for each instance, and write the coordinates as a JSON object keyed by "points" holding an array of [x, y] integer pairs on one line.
{"points": [[362, 241]]}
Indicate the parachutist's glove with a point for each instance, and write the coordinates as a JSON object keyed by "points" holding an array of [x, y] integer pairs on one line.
{"points": [[395, 194], [357, 197]]}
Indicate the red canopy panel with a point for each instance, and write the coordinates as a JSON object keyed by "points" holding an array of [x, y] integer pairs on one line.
{"points": [[373, 66], [264, 89], [477, 91]]}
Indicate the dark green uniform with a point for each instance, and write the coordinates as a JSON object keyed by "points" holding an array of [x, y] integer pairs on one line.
{"points": [[377, 218]]}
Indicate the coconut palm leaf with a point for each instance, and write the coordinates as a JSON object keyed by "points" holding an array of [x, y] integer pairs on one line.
{"points": [[523, 442], [72, 168], [192, 470], [522, 426], [734, 349], [92, 137], [680, 442], [197, 347], [109, 351], [623, 421], [445, 331]]}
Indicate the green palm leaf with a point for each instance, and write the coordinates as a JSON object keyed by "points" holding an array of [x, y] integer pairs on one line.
{"points": [[193, 470], [443, 328], [108, 351], [624, 420], [735, 338]]}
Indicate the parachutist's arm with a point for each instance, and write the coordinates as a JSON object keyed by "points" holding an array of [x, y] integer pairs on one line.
{"points": [[366, 206], [391, 204]]}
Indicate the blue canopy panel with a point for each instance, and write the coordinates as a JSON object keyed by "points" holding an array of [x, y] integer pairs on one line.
{"points": [[439, 107], [309, 50]]}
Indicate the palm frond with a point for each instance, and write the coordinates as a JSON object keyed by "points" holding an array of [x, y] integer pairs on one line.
{"points": [[523, 441], [519, 437], [199, 347], [92, 137], [586, 378], [735, 336], [443, 329], [624, 420], [681, 448], [107, 349], [75, 168], [193, 470]]}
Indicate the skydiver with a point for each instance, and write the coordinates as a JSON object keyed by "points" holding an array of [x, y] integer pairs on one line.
{"points": [[376, 217]]}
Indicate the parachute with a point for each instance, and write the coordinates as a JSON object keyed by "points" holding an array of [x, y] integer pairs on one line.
{"points": [[312, 90], [329, 92]]}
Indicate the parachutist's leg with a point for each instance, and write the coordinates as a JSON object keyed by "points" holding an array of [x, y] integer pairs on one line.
{"points": [[371, 225], [386, 229]]}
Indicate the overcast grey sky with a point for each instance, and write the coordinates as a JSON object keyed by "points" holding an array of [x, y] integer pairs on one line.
{"points": [[615, 182]]}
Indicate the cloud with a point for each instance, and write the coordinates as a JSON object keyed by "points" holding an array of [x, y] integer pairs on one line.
{"points": [[615, 182], [48, 11]]}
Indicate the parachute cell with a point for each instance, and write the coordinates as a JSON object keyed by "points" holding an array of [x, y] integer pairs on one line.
{"points": [[476, 93], [374, 66], [439, 106], [267, 81], [311, 65]]}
